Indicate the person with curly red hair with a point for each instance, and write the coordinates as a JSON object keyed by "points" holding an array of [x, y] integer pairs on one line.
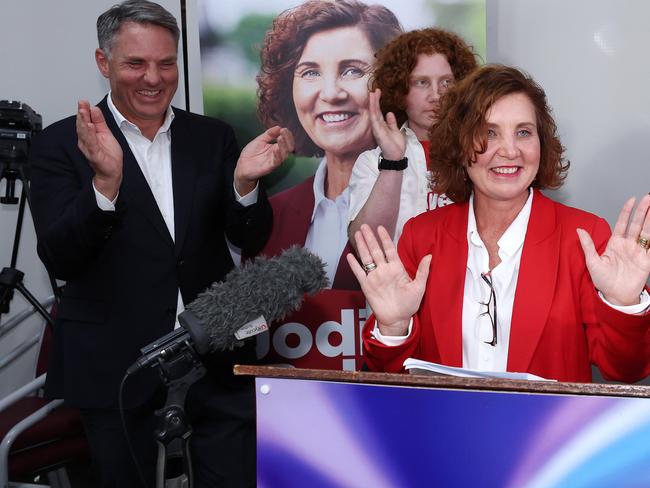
{"points": [[390, 183], [506, 279]]}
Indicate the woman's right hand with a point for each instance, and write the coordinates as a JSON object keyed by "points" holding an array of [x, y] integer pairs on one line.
{"points": [[391, 293], [390, 139]]}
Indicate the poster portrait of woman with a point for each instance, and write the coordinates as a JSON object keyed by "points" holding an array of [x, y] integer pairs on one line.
{"points": [[315, 63]]}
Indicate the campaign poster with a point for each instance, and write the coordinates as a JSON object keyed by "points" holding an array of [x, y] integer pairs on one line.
{"points": [[280, 62]]}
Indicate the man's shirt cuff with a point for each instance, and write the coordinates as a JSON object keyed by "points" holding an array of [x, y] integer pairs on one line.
{"points": [[104, 203], [248, 199]]}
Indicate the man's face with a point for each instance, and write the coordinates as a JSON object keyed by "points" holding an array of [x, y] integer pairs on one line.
{"points": [[142, 72]]}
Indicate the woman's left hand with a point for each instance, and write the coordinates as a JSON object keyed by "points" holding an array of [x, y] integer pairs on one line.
{"points": [[620, 273]]}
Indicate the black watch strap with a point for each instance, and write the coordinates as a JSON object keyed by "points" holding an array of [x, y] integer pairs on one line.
{"points": [[399, 165]]}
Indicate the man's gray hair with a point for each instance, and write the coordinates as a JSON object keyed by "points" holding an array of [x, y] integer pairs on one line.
{"points": [[138, 11]]}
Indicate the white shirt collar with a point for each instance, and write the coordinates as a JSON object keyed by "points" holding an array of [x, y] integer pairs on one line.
{"points": [[409, 133], [319, 189], [513, 238], [123, 122]]}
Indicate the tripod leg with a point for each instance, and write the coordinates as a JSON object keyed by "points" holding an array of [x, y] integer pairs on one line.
{"points": [[174, 468], [9, 280], [6, 295], [187, 462], [35, 303], [161, 465], [19, 225]]}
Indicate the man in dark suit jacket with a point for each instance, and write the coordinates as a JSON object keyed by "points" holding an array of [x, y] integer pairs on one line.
{"points": [[131, 201]]}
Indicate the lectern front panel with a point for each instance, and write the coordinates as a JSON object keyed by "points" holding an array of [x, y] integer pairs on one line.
{"points": [[330, 434]]}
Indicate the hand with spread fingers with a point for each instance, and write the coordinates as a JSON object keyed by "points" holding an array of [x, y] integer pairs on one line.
{"points": [[390, 139], [261, 156], [98, 144], [393, 296], [620, 273]]}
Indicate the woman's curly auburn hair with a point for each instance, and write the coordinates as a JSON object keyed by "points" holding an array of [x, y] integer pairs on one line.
{"points": [[283, 45], [396, 61], [459, 133]]}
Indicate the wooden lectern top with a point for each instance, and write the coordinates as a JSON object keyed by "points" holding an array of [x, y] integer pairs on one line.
{"points": [[447, 382]]}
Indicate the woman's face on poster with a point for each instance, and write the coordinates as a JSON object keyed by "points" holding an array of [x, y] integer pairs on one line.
{"points": [[330, 90]]}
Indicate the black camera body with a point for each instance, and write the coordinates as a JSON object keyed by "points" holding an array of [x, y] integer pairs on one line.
{"points": [[18, 122]]}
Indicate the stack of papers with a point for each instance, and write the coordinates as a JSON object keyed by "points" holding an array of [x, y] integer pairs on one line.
{"points": [[417, 366]]}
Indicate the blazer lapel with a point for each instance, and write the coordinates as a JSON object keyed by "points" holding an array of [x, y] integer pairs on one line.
{"points": [[299, 208], [184, 171], [447, 277], [304, 210], [135, 189], [535, 284]]}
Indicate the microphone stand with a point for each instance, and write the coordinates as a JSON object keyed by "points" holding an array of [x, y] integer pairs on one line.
{"points": [[174, 467]]}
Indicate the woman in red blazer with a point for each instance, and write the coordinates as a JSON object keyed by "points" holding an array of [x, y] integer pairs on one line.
{"points": [[507, 279]]}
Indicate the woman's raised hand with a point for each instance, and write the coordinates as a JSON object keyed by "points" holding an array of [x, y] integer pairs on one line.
{"points": [[391, 293], [387, 135], [620, 273]]}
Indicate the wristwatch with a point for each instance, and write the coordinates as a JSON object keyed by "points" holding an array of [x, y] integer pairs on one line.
{"points": [[399, 165]]}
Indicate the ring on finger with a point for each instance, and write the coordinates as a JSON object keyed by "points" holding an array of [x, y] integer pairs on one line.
{"points": [[644, 242], [369, 267]]}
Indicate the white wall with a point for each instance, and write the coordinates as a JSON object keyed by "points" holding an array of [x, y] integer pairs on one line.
{"points": [[47, 58], [591, 58]]}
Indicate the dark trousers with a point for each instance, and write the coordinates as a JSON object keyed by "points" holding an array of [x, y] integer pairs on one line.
{"points": [[222, 443]]}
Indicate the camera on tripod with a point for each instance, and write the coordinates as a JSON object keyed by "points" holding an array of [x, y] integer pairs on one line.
{"points": [[18, 123]]}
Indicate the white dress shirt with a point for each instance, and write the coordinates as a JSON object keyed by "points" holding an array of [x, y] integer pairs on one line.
{"points": [[477, 327], [328, 232]]}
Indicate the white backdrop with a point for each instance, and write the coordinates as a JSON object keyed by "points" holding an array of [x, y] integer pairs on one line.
{"points": [[591, 57]]}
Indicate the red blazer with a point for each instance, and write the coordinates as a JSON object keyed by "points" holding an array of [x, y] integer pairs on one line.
{"points": [[559, 324], [292, 210]]}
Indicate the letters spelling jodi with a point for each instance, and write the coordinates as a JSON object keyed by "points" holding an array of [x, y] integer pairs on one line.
{"points": [[313, 338]]}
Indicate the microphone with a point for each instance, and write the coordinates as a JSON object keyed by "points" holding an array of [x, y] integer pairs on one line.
{"points": [[228, 312]]}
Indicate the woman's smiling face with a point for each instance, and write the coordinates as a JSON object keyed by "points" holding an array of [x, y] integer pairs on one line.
{"points": [[507, 168], [330, 91]]}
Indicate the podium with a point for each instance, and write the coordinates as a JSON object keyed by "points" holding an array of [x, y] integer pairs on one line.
{"points": [[321, 429]]}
